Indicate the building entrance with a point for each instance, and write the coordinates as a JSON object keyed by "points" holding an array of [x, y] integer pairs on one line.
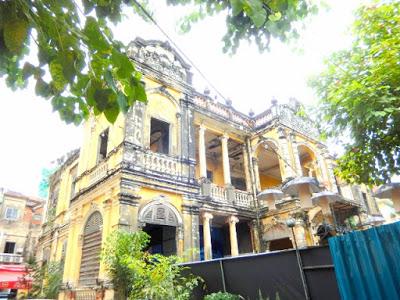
{"points": [[162, 239]]}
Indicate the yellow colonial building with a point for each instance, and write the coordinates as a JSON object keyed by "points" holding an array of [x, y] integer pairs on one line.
{"points": [[201, 178]]}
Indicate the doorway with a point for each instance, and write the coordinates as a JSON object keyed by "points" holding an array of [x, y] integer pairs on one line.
{"points": [[162, 239]]}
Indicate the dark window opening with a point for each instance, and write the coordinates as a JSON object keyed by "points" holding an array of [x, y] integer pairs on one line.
{"points": [[103, 140], [9, 247], [162, 239], [210, 175], [239, 183], [159, 136], [280, 244]]}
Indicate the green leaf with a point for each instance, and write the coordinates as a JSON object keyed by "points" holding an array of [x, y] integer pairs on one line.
{"points": [[237, 7], [15, 33], [96, 40], [57, 74]]}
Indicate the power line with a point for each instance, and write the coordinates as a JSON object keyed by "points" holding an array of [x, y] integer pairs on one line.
{"points": [[179, 49]]}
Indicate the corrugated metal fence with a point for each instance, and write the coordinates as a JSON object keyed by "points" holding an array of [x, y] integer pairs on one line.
{"points": [[367, 263]]}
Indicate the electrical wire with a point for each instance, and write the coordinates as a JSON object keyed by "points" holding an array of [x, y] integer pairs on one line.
{"points": [[178, 48]]}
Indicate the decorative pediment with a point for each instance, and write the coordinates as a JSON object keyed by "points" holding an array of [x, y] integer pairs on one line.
{"points": [[161, 57]]}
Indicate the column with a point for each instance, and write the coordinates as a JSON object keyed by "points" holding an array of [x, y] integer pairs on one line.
{"points": [[256, 174], [207, 217], [246, 168], [202, 152], [285, 157], [225, 159], [296, 156], [232, 220]]}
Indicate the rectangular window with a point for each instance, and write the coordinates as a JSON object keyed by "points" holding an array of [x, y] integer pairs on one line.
{"points": [[11, 213], [159, 136], [103, 143], [37, 217], [9, 247]]}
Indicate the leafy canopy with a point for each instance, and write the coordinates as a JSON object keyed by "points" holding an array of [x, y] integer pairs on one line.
{"points": [[252, 20], [359, 93], [137, 274], [81, 68]]}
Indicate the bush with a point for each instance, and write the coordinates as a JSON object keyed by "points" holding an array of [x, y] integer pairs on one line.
{"points": [[222, 296], [137, 274]]}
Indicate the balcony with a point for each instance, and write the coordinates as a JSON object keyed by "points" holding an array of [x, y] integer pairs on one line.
{"points": [[161, 163], [98, 173], [9, 258], [227, 196]]}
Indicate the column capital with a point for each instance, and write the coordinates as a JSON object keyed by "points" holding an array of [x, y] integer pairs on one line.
{"points": [[232, 220], [224, 137], [202, 127], [207, 216]]}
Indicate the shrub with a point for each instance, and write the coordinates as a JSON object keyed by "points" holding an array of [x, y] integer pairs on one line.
{"points": [[137, 274]]}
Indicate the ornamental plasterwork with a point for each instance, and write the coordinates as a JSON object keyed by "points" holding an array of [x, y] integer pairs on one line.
{"points": [[161, 57]]}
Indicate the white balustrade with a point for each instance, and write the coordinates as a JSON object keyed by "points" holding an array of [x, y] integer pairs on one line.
{"points": [[11, 258], [161, 163], [98, 173], [243, 198], [219, 193]]}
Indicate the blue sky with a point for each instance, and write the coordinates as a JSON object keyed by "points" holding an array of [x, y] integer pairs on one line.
{"points": [[32, 135]]}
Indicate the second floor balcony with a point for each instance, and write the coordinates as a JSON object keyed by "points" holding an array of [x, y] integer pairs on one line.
{"points": [[10, 258]]}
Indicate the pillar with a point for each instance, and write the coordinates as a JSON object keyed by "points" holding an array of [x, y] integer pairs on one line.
{"points": [[254, 236], [232, 220], [256, 174], [207, 217], [246, 167], [285, 157], [225, 159], [202, 152], [180, 240], [296, 156]]}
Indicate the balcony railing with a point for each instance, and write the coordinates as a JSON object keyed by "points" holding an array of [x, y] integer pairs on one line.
{"points": [[161, 163], [243, 198], [219, 193], [98, 173], [11, 258], [227, 195]]}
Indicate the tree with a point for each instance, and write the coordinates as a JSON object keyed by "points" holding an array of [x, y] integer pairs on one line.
{"points": [[251, 20], [359, 93], [137, 274], [81, 67], [46, 279], [44, 182]]}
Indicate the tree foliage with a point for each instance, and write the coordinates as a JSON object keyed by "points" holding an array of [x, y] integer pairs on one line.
{"points": [[252, 20], [46, 280], [137, 274], [360, 94], [79, 65]]}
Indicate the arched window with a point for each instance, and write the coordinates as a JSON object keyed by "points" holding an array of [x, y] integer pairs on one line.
{"points": [[90, 262]]}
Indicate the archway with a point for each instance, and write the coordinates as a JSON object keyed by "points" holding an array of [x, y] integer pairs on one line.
{"points": [[269, 167], [277, 237], [90, 261], [162, 222], [308, 162]]}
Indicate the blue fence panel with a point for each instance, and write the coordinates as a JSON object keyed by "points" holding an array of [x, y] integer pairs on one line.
{"points": [[367, 263]]}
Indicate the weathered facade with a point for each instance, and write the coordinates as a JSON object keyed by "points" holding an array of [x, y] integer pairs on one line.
{"points": [[188, 170], [20, 226]]}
